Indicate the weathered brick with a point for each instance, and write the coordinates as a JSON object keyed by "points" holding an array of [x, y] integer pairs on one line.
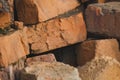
{"points": [[34, 11], [100, 69], [41, 58], [13, 46], [49, 71], [56, 33], [91, 49], [104, 19]]}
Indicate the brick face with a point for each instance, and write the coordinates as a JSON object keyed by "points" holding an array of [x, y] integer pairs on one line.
{"points": [[57, 33], [34, 11], [91, 49], [13, 47], [103, 19]]}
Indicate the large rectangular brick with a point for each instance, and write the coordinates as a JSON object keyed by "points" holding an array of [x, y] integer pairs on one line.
{"points": [[104, 19], [13, 46], [56, 33], [34, 11], [91, 49]]}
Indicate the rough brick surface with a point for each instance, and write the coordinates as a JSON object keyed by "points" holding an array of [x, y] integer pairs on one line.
{"points": [[34, 11], [49, 71], [13, 47], [57, 33], [91, 49], [100, 69], [41, 58], [5, 20], [104, 19]]}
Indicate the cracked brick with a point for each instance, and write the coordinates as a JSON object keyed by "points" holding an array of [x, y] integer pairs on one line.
{"points": [[56, 33]]}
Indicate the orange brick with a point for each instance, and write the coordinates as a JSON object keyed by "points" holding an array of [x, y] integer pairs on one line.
{"points": [[13, 47], [91, 49], [56, 33], [34, 11]]}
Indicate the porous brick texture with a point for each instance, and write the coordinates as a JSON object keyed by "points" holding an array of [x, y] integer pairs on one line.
{"points": [[13, 46], [49, 71], [104, 19], [56, 33], [91, 49], [34, 11], [40, 39], [104, 68]]}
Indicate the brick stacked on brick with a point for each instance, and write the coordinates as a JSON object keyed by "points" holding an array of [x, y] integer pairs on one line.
{"points": [[45, 26], [56, 33], [34, 11]]}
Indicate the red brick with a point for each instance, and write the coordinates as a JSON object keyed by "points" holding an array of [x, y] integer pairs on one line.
{"points": [[104, 19], [56, 33], [34, 11], [91, 49]]}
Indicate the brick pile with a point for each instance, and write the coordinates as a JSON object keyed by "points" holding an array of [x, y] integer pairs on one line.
{"points": [[44, 39]]}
